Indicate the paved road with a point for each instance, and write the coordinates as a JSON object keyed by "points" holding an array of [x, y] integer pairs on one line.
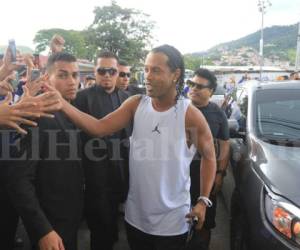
{"points": [[220, 236]]}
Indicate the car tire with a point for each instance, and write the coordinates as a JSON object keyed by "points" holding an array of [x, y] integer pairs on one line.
{"points": [[239, 229]]}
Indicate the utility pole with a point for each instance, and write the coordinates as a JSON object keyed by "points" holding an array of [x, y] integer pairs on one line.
{"points": [[297, 63], [262, 7]]}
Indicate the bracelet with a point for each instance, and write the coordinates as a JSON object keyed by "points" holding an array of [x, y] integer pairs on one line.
{"points": [[205, 200], [222, 172]]}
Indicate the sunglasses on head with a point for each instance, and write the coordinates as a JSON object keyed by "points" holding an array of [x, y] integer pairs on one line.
{"points": [[198, 86], [103, 71], [123, 74]]}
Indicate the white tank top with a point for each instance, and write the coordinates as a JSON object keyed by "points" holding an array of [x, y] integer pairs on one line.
{"points": [[159, 192]]}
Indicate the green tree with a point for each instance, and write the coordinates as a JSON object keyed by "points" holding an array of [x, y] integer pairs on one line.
{"points": [[74, 41], [193, 62], [124, 31], [292, 56]]}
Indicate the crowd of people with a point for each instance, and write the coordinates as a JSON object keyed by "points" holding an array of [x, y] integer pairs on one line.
{"points": [[69, 155]]}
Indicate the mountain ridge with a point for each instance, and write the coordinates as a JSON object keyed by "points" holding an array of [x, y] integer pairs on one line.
{"points": [[280, 43]]}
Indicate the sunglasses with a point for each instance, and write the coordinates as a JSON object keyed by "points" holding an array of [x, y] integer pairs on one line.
{"points": [[123, 74], [198, 86], [110, 71]]}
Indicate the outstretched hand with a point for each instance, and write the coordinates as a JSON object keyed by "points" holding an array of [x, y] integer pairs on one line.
{"points": [[28, 109], [44, 104], [14, 115]]}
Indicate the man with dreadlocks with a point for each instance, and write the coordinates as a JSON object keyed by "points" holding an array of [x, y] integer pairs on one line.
{"points": [[167, 132]]}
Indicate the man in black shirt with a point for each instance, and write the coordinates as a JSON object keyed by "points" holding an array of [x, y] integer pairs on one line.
{"points": [[46, 181], [12, 116], [201, 88], [106, 168], [123, 80]]}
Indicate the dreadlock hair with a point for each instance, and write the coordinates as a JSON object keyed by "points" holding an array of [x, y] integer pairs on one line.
{"points": [[175, 61]]}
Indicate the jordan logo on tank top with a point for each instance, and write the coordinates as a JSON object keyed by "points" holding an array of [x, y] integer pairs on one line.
{"points": [[156, 129]]}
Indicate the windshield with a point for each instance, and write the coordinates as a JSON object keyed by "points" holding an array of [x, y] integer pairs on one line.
{"points": [[278, 114]]}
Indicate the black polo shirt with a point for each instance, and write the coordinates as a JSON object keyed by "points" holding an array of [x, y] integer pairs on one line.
{"points": [[216, 120]]}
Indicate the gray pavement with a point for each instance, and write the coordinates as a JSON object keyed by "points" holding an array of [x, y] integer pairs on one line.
{"points": [[220, 236]]}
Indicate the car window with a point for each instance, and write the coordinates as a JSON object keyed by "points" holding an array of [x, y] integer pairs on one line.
{"points": [[278, 114]]}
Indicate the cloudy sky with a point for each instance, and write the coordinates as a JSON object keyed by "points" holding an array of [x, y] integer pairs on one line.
{"points": [[189, 25]]}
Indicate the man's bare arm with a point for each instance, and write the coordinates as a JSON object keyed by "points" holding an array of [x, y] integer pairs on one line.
{"points": [[202, 139], [200, 135], [223, 159], [222, 163], [111, 123]]}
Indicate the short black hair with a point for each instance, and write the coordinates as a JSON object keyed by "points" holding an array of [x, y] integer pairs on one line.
{"points": [[107, 54], [123, 63], [175, 61], [1, 56], [208, 75], [60, 57]]}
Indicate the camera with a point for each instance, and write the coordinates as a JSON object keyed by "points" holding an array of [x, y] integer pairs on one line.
{"points": [[36, 60], [35, 74]]}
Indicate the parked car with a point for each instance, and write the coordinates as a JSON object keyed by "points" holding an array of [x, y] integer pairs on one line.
{"points": [[263, 181]]}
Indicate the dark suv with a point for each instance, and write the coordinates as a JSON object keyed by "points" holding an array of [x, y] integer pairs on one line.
{"points": [[264, 177]]}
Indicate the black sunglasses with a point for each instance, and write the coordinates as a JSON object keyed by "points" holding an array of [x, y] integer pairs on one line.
{"points": [[110, 71], [198, 86], [123, 74]]}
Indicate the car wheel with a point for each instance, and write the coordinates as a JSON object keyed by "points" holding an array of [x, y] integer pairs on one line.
{"points": [[238, 225]]}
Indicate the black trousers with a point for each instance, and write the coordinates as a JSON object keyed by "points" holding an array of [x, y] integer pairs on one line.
{"points": [[8, 222], [139, 240], [101, 214]]}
